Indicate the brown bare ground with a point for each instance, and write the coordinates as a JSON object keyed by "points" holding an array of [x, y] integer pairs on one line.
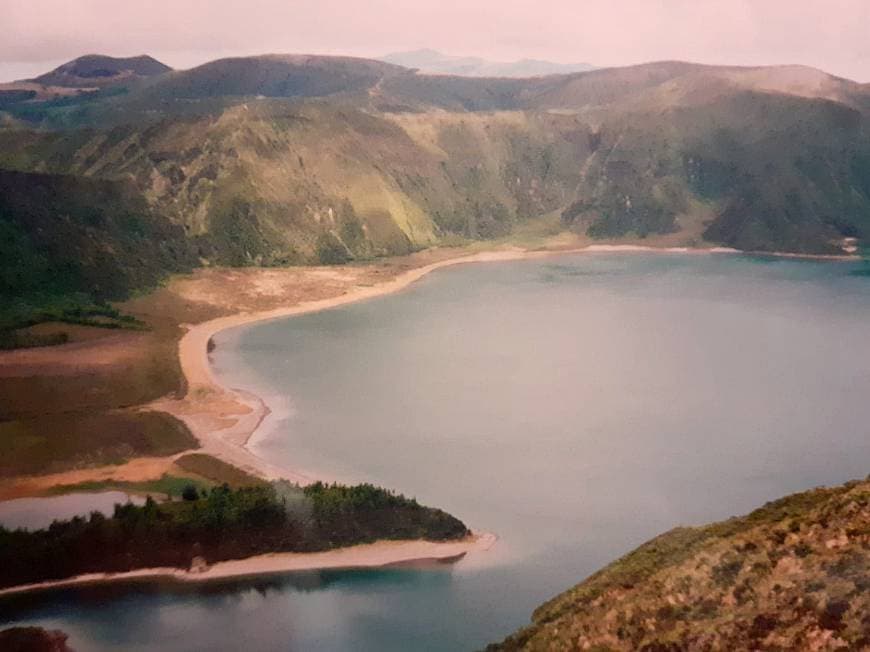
{"points": [[136, 470]]}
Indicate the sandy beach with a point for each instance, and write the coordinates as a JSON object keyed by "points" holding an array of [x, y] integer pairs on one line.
{"points": [[370, 555]]}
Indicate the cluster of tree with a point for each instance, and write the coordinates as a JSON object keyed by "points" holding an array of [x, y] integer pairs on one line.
{"points": [[345, 515], [218, 525]]}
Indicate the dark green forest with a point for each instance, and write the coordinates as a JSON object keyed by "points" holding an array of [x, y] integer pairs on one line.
{"points": [[219, 525]]}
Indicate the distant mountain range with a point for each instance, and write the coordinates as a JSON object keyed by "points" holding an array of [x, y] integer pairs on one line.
{"points": [[434, 62], [283, 159]]}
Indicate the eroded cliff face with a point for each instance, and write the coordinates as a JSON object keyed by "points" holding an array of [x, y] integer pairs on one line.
{"points": [[792, 575]]}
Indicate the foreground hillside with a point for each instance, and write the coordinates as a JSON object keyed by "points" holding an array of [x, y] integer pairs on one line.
{"points": [[792, 575]]}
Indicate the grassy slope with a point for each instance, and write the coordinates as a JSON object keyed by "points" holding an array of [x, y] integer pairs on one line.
{"points": [[790, 575]]}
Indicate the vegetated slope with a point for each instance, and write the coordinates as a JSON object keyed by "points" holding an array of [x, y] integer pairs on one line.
{"points": [[792, 575], [63, 236], [271, 182], [297, 159]]}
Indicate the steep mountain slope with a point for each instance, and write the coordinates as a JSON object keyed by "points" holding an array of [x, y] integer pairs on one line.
{"points": [[268, 183], [791, 575], [63, 237], [297, 159]]}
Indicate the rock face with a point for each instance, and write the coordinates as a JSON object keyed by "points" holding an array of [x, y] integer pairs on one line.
{"points": [[792, 575], [33, 639]]}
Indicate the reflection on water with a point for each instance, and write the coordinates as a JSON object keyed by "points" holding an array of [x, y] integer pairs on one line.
{"points": [[576, 406]]}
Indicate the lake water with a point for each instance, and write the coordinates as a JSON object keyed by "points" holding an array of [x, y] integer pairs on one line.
{"points": [[36, 513], [576, 406]]}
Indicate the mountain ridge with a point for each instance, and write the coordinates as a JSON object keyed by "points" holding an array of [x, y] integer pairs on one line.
{"points": [[295, 159]]}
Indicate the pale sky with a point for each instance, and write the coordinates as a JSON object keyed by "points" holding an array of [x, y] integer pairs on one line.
{"points": [[833, 35]]}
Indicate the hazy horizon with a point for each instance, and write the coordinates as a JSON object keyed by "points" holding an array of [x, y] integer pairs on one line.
{"points": [[42, 34]]}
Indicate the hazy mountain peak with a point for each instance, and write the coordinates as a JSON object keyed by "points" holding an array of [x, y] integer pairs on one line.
{"points": [[101, 70], [432, 61]]}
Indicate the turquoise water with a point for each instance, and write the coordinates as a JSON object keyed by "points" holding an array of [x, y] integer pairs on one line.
{"points": [[576, 406]]}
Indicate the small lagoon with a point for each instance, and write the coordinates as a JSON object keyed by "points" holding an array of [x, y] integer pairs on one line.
{"points": [[38, 513]]}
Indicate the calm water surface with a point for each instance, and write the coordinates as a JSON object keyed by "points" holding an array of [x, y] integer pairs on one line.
{"points": [[36, 513], [576, 406]]}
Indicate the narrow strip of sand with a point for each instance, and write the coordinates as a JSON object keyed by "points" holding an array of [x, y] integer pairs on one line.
{"points": [[370, 555]]}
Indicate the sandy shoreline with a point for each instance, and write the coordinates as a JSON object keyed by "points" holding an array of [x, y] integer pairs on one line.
{"points": [[381, 554]]}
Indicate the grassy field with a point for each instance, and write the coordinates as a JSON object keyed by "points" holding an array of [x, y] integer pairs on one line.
{"points": [[139, 368], [194, 469], [166, 486], [59, 442], [216, 471]]}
